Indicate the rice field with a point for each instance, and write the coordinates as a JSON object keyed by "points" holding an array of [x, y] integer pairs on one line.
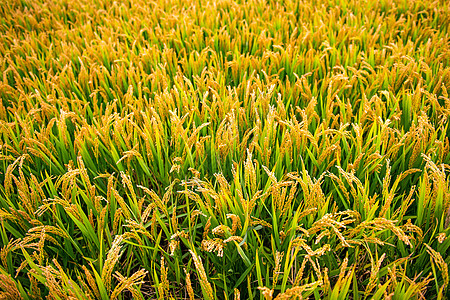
{"points": [[260, 149]]}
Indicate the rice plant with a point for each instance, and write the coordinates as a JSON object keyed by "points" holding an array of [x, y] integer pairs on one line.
{"points": [[221, 149]]}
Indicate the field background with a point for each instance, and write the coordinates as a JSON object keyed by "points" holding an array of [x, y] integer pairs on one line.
{"points": [[224, 149]]}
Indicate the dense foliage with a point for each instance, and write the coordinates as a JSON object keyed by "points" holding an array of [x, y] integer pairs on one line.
{"points": [[224, 149]]}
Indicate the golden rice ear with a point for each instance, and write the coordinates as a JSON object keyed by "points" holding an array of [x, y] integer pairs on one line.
{"points": [[164, 284], [206, 286], [437, 259], [236, 222], [296, 292], [8, 288], [91, 282], [189, 288], [276, 270], [129, 283], [266, 292], [112, 258], [237, 294], [375, 267]]}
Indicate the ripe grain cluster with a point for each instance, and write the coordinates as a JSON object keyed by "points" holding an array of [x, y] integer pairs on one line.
{"points": [[219, 149]]}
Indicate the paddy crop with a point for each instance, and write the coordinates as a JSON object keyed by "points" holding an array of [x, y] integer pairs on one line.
{"points": [[224, 149]]}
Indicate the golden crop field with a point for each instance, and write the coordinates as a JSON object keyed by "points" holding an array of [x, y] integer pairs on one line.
{"points": [[219, 149]]}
